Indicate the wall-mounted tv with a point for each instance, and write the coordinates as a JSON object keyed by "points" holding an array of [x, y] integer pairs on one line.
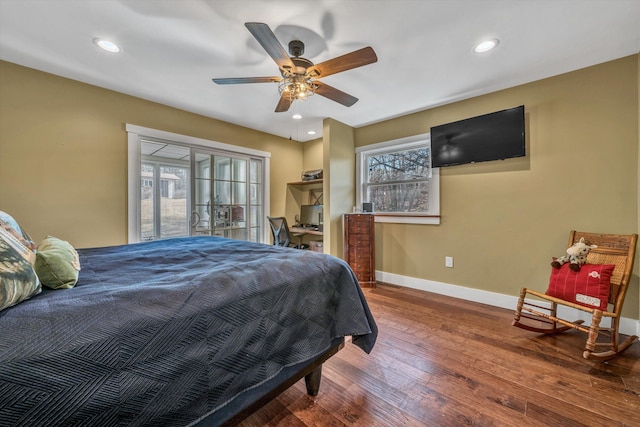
{"points": [[493, 136]]}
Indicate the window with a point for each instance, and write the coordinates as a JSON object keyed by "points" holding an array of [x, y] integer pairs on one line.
{"points": [[184, 186], [396, 176]]}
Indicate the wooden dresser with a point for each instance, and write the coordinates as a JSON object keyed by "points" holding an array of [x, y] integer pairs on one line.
{"points": [[359, 249]]}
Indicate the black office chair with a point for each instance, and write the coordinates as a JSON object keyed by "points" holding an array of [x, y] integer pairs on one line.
{"points": [[281, 233]]}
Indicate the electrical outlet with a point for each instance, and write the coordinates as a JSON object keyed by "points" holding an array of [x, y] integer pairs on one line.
{"points": [[448, 261]]}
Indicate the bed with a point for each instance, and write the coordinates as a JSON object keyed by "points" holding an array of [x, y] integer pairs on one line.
{"points": [[176, 332]]}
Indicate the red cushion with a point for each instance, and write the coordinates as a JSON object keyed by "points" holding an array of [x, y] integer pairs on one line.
{"points": [[588, 287]]}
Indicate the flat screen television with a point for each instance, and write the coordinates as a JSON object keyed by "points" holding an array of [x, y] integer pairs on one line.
{"points": [[493, 136], [310, 215]]}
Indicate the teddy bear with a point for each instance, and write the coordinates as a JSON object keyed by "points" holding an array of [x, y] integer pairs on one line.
{"points": [[576, 255]]}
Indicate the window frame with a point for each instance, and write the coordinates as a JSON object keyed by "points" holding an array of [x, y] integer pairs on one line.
{"points": [[433, 215], [135, 135]]}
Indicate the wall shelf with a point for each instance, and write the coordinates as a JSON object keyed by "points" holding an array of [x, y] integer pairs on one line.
{"points": [[314, 183], [314, 187]]}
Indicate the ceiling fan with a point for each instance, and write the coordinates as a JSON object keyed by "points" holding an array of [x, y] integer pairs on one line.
{"points": [[299, 75]]}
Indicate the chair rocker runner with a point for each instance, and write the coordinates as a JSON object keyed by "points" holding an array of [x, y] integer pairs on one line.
{"points": [[537, 316]]}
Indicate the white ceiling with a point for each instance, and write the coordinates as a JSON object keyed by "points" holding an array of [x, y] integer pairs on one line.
{"points": [[171, 49]]}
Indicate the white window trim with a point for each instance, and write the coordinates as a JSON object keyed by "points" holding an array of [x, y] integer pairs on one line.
{"points": [[434, 188], [134, 136]]}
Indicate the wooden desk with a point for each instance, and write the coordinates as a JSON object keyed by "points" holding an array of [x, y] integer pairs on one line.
{"points": [[301, 231]]}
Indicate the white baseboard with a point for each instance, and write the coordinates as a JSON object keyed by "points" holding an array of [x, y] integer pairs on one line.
{"points": [[627, 326]]}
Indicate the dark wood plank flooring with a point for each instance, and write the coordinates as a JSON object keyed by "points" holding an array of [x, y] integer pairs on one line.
{"points": [[441, 361]]}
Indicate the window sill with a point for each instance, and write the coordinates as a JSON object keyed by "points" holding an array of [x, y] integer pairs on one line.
{"points": [[408, 219]]}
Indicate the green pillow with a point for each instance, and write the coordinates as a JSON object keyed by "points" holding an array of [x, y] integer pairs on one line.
{"points": [[57, 264]]}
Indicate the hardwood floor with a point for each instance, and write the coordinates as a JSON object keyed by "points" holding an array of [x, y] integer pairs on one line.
{"points": [[441, 361]]}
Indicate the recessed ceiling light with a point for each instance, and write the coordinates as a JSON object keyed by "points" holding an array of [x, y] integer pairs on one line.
{"points": [[107, 45], [486, 45], [311, 132], [297, 116]]}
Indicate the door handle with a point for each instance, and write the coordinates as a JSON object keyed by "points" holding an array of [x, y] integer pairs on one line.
{"points": [[195, 215]]}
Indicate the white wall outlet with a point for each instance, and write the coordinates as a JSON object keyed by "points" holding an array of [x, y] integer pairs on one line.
{"points": [[448, 261]]}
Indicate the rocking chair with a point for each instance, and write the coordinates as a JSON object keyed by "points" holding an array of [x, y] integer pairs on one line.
{"points": [[615, 249]]}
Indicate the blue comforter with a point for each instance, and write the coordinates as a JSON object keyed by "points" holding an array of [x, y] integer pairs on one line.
{"points": [[166, 332]]}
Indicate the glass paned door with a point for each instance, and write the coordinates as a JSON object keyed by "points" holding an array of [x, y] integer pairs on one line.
{"points": [[174, 210], [256, 208], [164, 191], [221, 206], [147, 202], [201, 215]]}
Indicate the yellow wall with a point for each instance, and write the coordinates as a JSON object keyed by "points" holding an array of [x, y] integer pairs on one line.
{"points": [[339, 181], [296, 195], [502, 221], [63, 154], [313, 155], [63, 172]]}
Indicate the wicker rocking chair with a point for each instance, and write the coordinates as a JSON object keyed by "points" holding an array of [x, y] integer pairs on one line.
{"points": [[536, 316]]}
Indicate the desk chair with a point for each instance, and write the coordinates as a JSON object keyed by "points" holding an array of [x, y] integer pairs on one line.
{"points": [[281, 233]]}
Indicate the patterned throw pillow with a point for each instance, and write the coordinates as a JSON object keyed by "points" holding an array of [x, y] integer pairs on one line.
{"points": [[18, 279], [9, 223], [588, 287], [57, 264]]}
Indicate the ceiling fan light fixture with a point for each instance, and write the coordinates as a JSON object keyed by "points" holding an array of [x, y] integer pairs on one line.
{"points": [[107, 45], [486, 45], [296, 86]]}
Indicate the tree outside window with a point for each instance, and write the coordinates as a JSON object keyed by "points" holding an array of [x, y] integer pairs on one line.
{"points": [[398, 181], [396, 176]]}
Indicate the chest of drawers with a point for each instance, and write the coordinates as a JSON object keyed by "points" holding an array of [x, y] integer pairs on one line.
{"points": [[359, 249]]}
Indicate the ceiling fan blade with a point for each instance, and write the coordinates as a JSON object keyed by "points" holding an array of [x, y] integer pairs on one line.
{"points": [[334, 94], [238, 80], [284, 104], [355, 59], [270, 43]]}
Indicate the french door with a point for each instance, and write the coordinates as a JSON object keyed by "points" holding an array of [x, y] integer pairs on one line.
{"points": [[164, 191], [193, 191]]}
